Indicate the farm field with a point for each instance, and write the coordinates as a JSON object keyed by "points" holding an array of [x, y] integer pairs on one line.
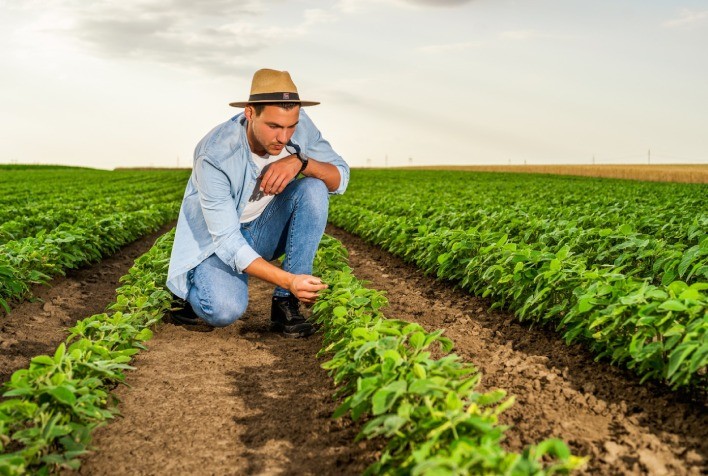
{"points": [[240, 400], [621, 266], [57, 224], [53, 219], [688, 173]]}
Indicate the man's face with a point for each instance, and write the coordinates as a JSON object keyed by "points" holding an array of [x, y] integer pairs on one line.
{"points": [[272, 129]]}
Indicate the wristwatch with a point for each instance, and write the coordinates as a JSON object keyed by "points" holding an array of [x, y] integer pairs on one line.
{"points": [[302, 158]]}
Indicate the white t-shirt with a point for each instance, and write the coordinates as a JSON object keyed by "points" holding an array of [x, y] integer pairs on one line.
{"points": [[258, 200]]}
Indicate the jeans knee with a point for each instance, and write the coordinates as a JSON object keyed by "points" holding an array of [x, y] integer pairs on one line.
{"points": [[224, 314], [314, 193]]}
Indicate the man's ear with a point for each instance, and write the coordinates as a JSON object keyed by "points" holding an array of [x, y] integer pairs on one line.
{"points": [[248, 112]]}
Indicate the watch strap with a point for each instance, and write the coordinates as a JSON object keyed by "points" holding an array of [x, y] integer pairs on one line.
{"points": [[302, 159]]}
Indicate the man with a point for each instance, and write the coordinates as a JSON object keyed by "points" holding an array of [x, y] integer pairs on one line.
{"points": [[243, 207]]}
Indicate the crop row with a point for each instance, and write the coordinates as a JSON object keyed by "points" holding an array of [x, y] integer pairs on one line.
{"points": [[72, 195], [50, 409], [57, 218], [426, 409], [658, 241], [672, 212], [30, 222], [36, 259], [657, 329]]}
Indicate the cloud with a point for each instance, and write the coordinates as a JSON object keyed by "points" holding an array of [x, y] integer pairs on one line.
{"points": [[216, 36], [687, 18], [512, 35], [352, 6]]}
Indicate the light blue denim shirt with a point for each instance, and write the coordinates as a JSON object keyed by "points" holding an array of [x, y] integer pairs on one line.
{"points": [[222, 180]]}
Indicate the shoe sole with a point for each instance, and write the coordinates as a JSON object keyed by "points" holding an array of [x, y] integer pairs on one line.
{"points": [[187, 321], [280, 328], [192, 323]]}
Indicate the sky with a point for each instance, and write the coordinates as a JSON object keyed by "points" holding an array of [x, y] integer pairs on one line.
{"points": [[402, 82]]}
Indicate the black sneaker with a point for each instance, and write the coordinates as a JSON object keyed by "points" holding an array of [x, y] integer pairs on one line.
{"points": [[285, 317], [186, 315]]}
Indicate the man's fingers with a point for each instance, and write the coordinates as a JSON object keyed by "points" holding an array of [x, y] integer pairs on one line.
{"points": [[265, 183], [276, 177], [273, 184], [313, 289], [278, 185], [306, 288], [307, 296], [316, 284]]}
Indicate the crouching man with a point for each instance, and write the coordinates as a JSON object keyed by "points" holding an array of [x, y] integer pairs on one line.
{"points": [[243, 207]]}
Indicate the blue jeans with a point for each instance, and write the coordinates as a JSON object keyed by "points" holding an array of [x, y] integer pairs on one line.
{"points": [[291, 224]]}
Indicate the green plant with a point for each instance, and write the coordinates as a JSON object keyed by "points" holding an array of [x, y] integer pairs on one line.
{"points": [[428, 410], [49, 410]]}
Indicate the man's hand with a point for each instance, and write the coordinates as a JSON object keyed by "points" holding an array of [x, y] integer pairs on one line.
{"points": [[279, 174], [306, 287], [302, 286]]}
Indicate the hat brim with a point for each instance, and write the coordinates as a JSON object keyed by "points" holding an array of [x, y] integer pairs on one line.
{"points": [[246, 103]]}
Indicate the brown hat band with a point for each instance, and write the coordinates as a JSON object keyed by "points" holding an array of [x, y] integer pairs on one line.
{"points": [[275, 97]]}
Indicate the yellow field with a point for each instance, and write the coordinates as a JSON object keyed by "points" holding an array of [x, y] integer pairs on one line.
{"points": [[694, 173]]}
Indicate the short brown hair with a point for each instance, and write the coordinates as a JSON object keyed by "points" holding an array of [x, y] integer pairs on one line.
{"points": [[258, 107]]}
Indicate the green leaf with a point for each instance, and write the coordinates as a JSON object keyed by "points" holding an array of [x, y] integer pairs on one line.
{"points": [[341, 409], [700, 358], [552, 447], [673, 305], [677, 287], [424, 387], [453, 402], [417, 339], [59, 354], [63, 395], [688, 257], [419, 371], [585, 304], [144, 335], [443, 258], [359, 301], [678, 356], [43, 360], [384, 398], [691, 293], [393, 355], [490, 398]]}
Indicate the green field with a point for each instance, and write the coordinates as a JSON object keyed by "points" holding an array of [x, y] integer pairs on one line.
{"points": [[621, 266], [58, 218]]}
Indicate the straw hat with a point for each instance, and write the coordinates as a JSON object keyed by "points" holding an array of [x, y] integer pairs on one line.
{"points": [[269, 86]]}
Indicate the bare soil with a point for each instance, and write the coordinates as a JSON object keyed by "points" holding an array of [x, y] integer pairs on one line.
{"points": [[39, 325]]}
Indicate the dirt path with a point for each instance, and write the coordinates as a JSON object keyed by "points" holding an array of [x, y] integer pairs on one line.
{"points": [[237, 400], [38, 327], [601, 411]]}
